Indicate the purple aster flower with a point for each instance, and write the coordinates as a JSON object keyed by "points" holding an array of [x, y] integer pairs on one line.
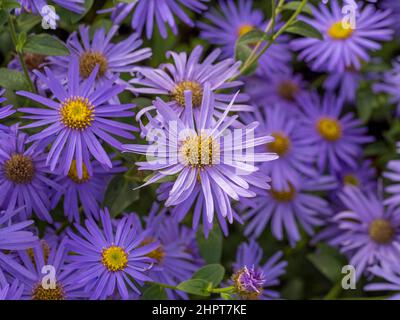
{"points": [[392, 277], [29, 271], [231, 21], [146, 12], [282, 88], [177, 254], [107, 260], [363, 176], [251, 279], [111, 58], [11, 291], [180, 210], [36, 6], [5, 111], [391, 83], [343, 44], [196, 151], [339, 138], [88, 191], [394, 6], [296, 156], [188, 73], [394, 189], [77, 118], [14, 236], [370, 232], [286, 210], [33, 62], [346, 82], [24, 176]]}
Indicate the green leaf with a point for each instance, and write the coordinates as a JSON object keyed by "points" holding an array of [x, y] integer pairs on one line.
{"points": [[210, 248], [253, 36], [245, 44], [120, 195], [153, 292], [3, 17], [13, 80], [26, 22], [10, 4], [46, 45], [213, 273], [292, 6], [304, 29], [197, 287], [242, 53], [368, 102], [226, 296], [328, 261]]}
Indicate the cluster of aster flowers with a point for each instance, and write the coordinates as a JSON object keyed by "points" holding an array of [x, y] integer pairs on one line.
{"points": [[130, 159]]}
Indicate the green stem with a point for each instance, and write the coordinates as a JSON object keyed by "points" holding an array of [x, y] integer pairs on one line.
{"points": [[164, 285], [13, 32], [217, 290], [335, 292], [282, 30], [222, 290], [270, 25], [288, 23]]}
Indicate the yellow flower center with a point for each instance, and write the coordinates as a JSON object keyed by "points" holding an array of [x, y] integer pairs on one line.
{"points": [[381, 231], [288, 89], [351, 179], [46, 252], [179, 93], [40, 293], [89, 60], [114, 258], [244, 29], [77, 113], [340, 31], [281, 145], [34, 61], [19, 169], [284, 195], [329, 128], [199, 151], [157, 254], [73, 173]]}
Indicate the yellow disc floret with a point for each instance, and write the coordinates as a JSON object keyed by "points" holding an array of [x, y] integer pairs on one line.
{"points": [[199, 151], [114, 258], [244, 29], [77, 113], [280, 145], [41, 293], [330, 129], [89, 60], [73, 173], [157, 254], [381, 231], [284, 195], [340, 31], [19, 169], [351, 179], [288, 89], [178, 94]]}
